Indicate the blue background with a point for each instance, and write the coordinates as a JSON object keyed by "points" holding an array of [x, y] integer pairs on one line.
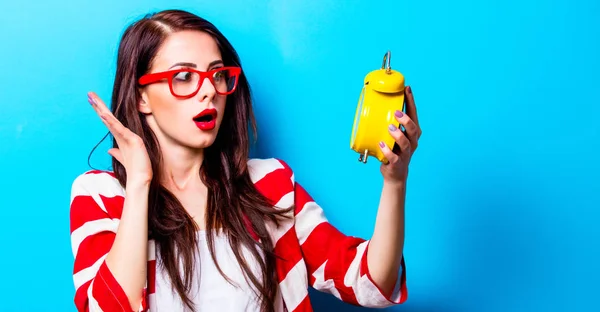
{"points": [[502, 211]]}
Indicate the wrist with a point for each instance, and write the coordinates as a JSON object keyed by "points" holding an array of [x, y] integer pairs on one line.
{"points": [[137, 184], [394, 184]]}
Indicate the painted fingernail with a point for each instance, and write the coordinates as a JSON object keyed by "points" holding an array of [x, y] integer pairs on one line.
{"points": [[409, 90], [91, 100], [392, 128], [399, 114], [382, 144]]}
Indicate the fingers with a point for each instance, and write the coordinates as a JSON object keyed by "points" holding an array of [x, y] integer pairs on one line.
{"points": [[411, 109], [403, 142], [98, 105], [412, 130], [112, 123], [387, 152]]}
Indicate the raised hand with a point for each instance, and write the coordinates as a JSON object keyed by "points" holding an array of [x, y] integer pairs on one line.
{"points": [[131, 151]]}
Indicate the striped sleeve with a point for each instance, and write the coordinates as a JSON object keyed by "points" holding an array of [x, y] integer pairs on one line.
{"points": [[95, 210], [337, 263]]}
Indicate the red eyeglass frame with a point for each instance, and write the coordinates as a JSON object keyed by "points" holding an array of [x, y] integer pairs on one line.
{"points": [[169, 74]]}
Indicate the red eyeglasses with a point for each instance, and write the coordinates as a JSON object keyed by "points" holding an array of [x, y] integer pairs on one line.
{"points": [[186, 82]]}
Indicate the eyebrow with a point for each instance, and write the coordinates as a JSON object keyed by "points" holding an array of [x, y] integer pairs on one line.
{"points": [[184, 64], [192, 65]]}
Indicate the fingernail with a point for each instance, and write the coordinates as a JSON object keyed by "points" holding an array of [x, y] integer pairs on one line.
{"points": [[399, 114], [91, 100], [392, 128], [382, 144], [409, 90]]}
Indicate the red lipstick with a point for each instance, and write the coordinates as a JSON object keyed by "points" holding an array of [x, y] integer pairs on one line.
{"points": [[206, 120]]}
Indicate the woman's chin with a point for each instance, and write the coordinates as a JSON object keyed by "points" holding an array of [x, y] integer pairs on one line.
{"points": [[201, 142]]}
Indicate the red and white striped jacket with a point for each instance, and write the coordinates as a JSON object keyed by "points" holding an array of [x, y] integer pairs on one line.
{"points": [[311, 251]]}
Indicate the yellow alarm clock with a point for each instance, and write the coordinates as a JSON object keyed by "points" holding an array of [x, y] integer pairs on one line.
{"points": [[381, 96]]}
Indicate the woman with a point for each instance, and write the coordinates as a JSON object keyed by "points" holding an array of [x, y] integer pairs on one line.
{"points": [[186, 222]]}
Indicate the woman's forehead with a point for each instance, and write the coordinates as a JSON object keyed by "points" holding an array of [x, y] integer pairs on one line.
{"points": [[194, 47]]}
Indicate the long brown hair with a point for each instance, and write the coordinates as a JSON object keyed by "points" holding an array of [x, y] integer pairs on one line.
{"points": [[234, 204]]}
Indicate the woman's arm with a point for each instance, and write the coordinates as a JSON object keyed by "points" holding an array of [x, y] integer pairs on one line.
{"points": [[115, 280], [368, 273], [387, 243], [128, 256], [108, 237], [337, 263]]}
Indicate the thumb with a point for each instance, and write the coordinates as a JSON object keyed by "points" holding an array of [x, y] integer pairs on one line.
{"points": [[116, 153]]}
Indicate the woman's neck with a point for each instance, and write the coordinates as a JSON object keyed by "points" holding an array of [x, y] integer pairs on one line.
{"points": [[181, 167]]}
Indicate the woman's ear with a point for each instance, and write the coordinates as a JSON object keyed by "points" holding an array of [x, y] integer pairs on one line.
{"points": [[143, 106]]}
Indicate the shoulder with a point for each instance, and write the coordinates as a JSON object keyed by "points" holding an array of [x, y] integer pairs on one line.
{"points": [[96, 189], [269, 170], [96, 182], [274, 179]]}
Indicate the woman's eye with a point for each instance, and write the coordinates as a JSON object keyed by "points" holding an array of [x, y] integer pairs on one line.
{"points": [[183, 76], [219, 75]]}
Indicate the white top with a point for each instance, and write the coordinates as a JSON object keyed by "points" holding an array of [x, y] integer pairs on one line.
{"points": [[210, 290]]}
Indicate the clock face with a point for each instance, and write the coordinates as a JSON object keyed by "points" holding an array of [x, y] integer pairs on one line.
{"points": [[359, 112]]}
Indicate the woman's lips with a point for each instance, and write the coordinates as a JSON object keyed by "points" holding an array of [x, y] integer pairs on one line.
{"points": [[206, 125], [206, 120]]}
